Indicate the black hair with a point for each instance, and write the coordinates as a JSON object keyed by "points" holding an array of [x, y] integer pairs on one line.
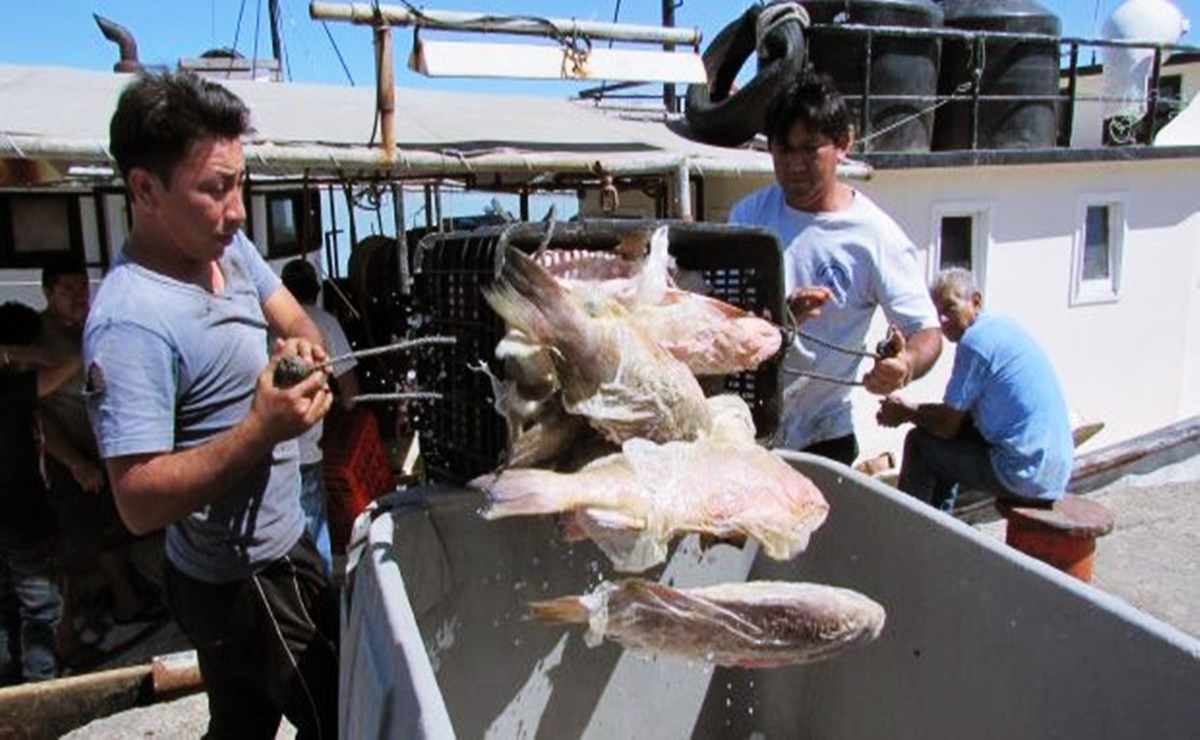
{"points": [[59, 267], [161, 114], [19, 324], [300, 278], [814, 101]]}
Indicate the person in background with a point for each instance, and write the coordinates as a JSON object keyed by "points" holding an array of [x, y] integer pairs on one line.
{"points": [[1003, 425], [300, 277], [843, 257], [194, 432], [30, 602], [91, 536]]}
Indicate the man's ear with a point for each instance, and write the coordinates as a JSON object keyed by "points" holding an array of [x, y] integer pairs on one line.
{"points": [[143, 186], [846, 144]]}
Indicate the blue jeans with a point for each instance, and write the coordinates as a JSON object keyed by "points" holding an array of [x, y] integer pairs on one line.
{"points": [[316, 520], [935, 469], [30, 610]]}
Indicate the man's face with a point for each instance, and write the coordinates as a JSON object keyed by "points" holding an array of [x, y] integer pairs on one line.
{"points": [[806, 166], [67, 299], [202, 210], [956, 311]]}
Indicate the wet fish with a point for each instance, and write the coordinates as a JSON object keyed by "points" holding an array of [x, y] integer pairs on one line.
{"points": [[624, 382], [757, 624], [633, 503], [708, 335]]}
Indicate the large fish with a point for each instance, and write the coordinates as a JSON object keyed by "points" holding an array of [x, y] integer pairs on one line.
{"points": [[758, 624], [633, 503], [609, 371], [710, 336]]}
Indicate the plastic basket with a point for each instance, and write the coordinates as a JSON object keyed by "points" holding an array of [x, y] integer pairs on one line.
{"points": [[355, 470], [462, 435]]}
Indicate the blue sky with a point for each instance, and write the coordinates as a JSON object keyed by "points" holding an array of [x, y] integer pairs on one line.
{"points": [[62, 32]]}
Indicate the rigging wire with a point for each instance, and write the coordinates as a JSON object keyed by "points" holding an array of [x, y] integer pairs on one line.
{"points": [[277, 24], [338, 52], [237, 32], [254, 56]]}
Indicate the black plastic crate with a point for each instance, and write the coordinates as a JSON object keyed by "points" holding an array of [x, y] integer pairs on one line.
{"points": [[462, 435]]}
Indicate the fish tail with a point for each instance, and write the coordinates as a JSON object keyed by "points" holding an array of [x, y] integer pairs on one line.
{"points": [[522, 492], [565, 609]]}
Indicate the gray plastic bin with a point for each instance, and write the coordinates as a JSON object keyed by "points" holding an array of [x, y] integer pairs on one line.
{"points": [[981, 641]]}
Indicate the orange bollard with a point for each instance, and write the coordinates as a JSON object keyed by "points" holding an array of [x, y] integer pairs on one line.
{"points": [[1063, 535]]}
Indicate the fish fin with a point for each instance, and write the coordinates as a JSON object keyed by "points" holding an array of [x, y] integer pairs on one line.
{"points": [[565, 609], [521, 492], [651, 282]]}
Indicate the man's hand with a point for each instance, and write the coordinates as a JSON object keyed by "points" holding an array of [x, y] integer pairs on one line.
{"points": [[285, 413], [894, 411], [805, 303], [891, 373]]}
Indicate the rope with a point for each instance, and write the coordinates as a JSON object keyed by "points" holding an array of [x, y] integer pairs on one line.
{"points": [[775, 15], [959, 93]]}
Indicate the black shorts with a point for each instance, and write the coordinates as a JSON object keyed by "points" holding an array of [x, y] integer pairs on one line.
{"points": [[267, 646]]}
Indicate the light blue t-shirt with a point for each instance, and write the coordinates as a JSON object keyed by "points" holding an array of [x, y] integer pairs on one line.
{"points": [[1007, 384], [867, 261], [169, 367]]}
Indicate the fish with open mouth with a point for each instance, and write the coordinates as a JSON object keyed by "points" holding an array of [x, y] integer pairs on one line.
{"points": [[608, 370], [756, 624], [634, 502]]}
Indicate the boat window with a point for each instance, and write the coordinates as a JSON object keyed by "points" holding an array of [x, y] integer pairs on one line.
{"points": [[960, 238], [957, 241], [35, 228], [293, 224], [1097, 261]]}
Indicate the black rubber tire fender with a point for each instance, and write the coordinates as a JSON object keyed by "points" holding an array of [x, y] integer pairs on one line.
{"points": [[715, 116]]}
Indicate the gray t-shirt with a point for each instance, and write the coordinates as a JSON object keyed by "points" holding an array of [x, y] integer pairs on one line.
{"points": [[337, 345], [867, 261], [169, 367]]}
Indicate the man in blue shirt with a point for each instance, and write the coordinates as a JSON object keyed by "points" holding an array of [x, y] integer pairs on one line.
{"points": [[195, 435], [1002, 426]]}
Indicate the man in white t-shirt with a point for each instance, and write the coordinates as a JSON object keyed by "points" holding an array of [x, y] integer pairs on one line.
{"points": [[842, 258], [300, 277]]}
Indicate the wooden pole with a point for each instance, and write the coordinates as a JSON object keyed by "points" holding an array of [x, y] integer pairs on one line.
{"points": [[385, 91]]}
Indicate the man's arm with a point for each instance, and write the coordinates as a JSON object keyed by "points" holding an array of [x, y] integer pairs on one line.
{"points": [[287, 318], [53, 368], [918, 352], [86, 473], [938, 419], [154, 490]]}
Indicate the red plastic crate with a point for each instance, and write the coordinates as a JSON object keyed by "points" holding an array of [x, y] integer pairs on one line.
{"points": [[356, 470]]}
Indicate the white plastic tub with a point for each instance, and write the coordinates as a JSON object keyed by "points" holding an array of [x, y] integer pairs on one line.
{"points": [[980, 641]]}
